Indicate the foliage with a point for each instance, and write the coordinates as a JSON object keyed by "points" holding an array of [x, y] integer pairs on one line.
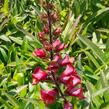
{"points": [[85, 30]]}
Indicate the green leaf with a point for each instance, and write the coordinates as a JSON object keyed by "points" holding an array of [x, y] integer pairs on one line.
{"points": [[5, 38], [6, 7], [99, 92], [4, 54], [94, 48], [11, 100], [92, 58], [17, 40]]}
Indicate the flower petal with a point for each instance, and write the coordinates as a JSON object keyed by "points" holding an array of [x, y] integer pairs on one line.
{"points": [[40, 53], [77, 92], [49, 96], [65, 61], [70, 70], [73, 81], [58, 46], [38, 75]]}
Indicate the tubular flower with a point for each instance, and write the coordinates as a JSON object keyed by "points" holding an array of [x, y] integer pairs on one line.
{"points": [[65, 61], [73, 81], [77, 92], [70, 70], [40, 53], [68, 105], [49, 96], [58, 46], [38, 75]]}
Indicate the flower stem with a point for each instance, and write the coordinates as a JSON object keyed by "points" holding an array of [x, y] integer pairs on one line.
{"points": [[51, 56]]}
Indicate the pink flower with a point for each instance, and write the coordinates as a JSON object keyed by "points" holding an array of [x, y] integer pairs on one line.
{"points": [[77, 92], [40, 53], [68, 105], [49, 96], [65, 61], [73, 81], [70, 70], [57, 58], [38, 75], [64, 79], [58, 46], [57, 31]]}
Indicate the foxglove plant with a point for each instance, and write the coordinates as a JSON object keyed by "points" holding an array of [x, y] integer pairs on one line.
{"points": [[51, 51]]}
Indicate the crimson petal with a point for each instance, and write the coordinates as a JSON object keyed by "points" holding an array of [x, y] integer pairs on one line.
{"points": [[40, 53], [38, 75], [77, 92], [65, 61], [70, 70], [48, 96]]}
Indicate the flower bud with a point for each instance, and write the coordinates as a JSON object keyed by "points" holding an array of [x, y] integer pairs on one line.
{"points": [[57, 58], [46, 29], [47, 45], [58, 46], [57, 31], [54, 17], [73, 81], [44, 17]]}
